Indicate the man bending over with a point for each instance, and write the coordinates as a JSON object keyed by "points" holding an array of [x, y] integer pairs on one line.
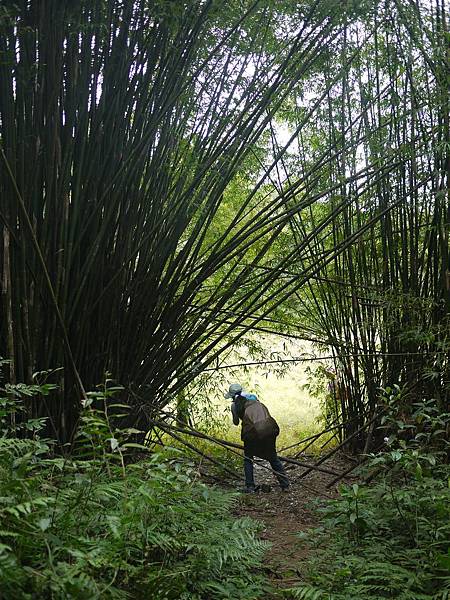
{"points": [[259, 432]]}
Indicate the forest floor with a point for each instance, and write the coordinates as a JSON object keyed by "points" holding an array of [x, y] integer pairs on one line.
{"points": [[286, 514]]}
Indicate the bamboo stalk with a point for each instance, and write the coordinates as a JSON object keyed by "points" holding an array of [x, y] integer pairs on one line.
{"points": [[226, 444], [342, 445]]}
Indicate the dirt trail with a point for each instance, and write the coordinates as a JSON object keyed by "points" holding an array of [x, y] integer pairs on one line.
{"points": [[284, 515]]}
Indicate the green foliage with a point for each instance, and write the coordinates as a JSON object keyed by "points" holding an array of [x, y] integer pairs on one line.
{"points": [[391, 540], [324, 385], [411, 426], [384, 542], [86, 527]]}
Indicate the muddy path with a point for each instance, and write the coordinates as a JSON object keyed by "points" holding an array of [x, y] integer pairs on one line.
{"points": [[286, 514]]}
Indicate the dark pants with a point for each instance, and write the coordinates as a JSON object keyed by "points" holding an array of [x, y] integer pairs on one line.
{"points": [[266, 450]]}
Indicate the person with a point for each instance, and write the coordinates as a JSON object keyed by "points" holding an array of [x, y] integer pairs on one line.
{"points": [[259, 431]]}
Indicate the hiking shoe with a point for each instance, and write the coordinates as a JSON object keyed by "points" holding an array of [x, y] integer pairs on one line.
{"points": [[286, 489], [249, 490]]}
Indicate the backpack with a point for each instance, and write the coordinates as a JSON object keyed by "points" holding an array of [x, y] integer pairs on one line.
{"points": [[257, 424]]}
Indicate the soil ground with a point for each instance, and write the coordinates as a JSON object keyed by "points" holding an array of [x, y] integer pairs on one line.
{"points": [[285, 514]]}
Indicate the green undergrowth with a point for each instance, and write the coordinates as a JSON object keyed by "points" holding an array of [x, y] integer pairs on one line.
{"points": [[95, 524], [383, 542], [389, 539]]}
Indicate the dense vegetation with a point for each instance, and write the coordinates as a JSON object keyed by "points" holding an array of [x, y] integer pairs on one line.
{"points": [[177, 178], [384, 541], [91, 526], [149, 200], [98, 524], [117, 159], [390, 539]]}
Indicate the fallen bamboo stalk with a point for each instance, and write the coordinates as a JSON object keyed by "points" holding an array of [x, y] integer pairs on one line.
{"points": [[225, 443], [200, 434], [309, 438], [308, 466], [340, 446], [309, 444], [326, 442], [219, 442], [334, 425], [197, 451], [344, 474], [352, 468]]}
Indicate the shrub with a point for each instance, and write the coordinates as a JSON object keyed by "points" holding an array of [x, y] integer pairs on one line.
{"points": [[93, 525], [391, 539]]}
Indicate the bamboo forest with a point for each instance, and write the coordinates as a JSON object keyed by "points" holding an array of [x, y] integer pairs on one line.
{"points": [[225, 299]]}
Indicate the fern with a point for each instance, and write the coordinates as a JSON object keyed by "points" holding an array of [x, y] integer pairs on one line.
{"points": [[84, 527], [388, 541], [308, 592]]}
